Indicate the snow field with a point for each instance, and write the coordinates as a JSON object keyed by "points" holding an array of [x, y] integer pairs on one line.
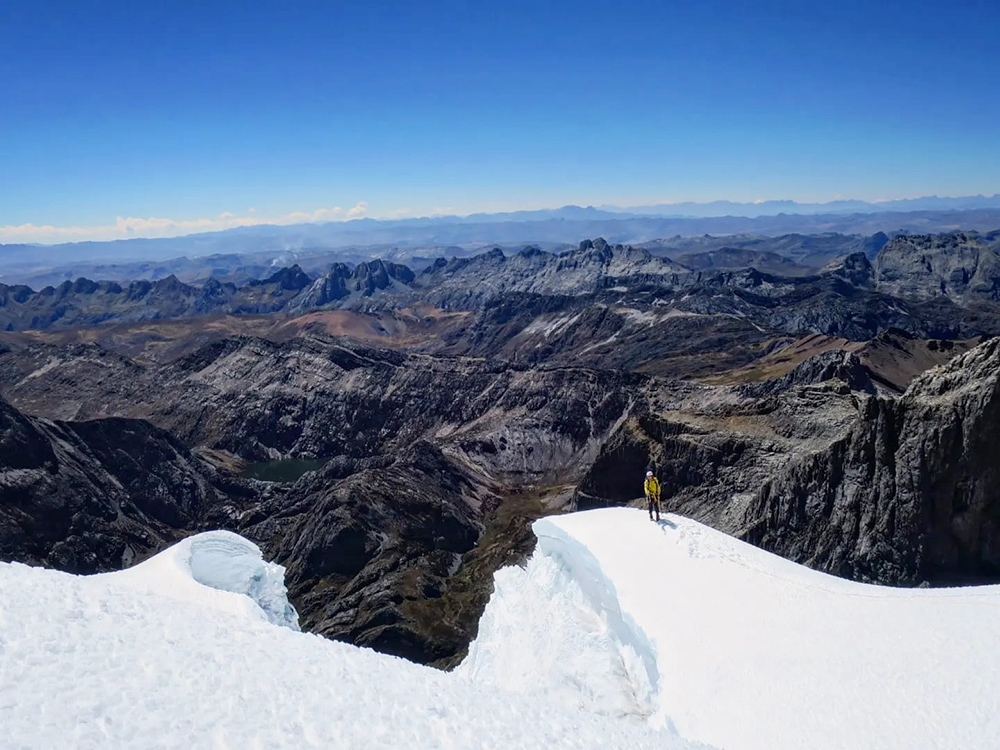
{"points": [[750, 650], [618, 632], [150, 657]]}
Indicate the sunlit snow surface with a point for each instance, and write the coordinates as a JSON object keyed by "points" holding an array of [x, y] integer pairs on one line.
{"points": [[188, 650], [617, 633], [727, 644]]}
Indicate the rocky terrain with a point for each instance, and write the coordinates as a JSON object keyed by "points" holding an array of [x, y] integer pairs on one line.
{"points": [[370, 546], [314, 396], [820, 468], [86, 302], [92, 496], [842, 418], [942, 286], [381, 544], [910, 494], [960, 266]]}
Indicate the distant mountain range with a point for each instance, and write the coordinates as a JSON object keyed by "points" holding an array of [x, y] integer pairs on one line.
{"points": [[954, 270], [773, 208], [414, 241]]}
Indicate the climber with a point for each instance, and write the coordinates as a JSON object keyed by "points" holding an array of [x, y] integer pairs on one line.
{"points": [[652, 489]]}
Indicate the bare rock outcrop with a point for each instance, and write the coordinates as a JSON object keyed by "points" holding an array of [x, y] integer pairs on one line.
{"points": [[92, 496], [960, 266], [910, 496]]}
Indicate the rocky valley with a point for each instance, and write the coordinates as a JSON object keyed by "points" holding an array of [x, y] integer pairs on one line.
{"points": [[842, 416]]}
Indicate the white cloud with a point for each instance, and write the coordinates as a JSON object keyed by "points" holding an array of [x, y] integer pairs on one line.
{"points": [[126, 227]]}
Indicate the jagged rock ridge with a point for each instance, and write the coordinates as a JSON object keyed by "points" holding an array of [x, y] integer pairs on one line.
{"points": [[910, 495], [92, 496]]}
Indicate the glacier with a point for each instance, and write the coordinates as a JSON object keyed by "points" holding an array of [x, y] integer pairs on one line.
{"points": [[200, 566], [617, 632]]}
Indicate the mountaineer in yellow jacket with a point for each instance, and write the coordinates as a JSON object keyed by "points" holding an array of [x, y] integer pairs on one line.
{"points": [[652, 488]]}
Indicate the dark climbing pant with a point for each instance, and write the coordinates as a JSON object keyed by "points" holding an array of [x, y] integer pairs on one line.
{"points": [[654, 504]]}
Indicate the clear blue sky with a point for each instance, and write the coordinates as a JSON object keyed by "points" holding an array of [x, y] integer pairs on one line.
{"points": [[190, 109]]}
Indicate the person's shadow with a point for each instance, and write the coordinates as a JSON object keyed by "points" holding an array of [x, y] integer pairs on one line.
{"points": [[664, 524]]}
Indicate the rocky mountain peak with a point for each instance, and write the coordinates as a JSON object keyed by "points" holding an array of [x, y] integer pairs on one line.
{"points": [[290, 279], [378, 274], [329, 287], [597, 249], [855, 268], [826, 367], [874, 243], [171, 284], [84, 286], [974, 372], [23, 447]]}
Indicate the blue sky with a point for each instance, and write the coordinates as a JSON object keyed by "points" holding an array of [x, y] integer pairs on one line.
{"points": [[187, 116]]}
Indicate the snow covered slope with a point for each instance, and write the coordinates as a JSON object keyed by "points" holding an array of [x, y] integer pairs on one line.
{"points": [[208, 568], [618, 633], [185, 650], [733, 646]]}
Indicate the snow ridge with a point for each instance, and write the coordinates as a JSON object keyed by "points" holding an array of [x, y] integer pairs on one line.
{"points": [[715, 641], [560, 617], [637, 651], [178, 652]]}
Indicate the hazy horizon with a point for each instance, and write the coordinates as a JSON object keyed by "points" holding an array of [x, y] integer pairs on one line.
{"points": [[151, 229]]}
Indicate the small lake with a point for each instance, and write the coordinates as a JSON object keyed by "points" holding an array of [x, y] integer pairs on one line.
{"points": [[286, 470]]}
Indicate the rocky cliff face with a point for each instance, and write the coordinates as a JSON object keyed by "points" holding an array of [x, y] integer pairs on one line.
{"points": [[371, 547], [91, 496], [713, 447], [959, 266], [818, 468], [910, 495]]}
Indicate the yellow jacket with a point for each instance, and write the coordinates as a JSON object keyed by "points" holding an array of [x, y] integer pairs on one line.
{"points": [[652, 487]]}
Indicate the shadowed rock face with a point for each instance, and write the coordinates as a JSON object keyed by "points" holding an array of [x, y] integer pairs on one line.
{"points": [[370, 545], [289, 279], [712, 448], [911, 495], [92, 496], [360, 550]]}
